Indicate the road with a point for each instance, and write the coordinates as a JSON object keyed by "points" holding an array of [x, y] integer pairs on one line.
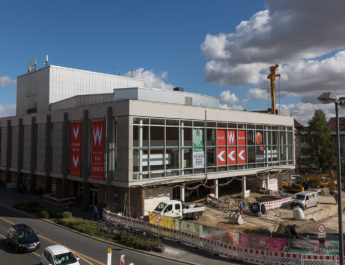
{"points": [[89, 251]]}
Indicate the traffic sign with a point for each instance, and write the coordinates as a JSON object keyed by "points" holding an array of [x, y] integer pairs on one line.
{"points": [[322, 229]]}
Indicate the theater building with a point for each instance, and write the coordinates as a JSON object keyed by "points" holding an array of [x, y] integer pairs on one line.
{"points": [[108, 140]]}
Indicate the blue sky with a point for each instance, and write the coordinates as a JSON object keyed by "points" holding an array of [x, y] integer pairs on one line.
{"points": [[221, 48]]}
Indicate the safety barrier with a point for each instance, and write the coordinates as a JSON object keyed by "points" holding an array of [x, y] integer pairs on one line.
{"points": [[255, 256], [276, 204]]}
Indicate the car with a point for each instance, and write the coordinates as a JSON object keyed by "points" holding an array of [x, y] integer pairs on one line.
{"points": [[306, 199], [58, 255], [22, 238]]}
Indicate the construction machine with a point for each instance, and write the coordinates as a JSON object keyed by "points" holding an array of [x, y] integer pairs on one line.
{"points": [[322, 180], [294, 185]]}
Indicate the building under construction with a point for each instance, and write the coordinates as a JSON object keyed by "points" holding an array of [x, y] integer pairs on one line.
{"points": [[108, 140]]}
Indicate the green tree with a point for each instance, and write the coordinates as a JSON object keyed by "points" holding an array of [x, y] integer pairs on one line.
{"points": [[320, 141]]}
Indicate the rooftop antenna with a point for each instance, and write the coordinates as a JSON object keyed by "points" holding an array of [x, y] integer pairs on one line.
{"points": [[35, 64], [29, 66], [46, 61]]}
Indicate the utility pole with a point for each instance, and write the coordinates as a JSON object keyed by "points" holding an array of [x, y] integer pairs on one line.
{"points": [[272, 76]]}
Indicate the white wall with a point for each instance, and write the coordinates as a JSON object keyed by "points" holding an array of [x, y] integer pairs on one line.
{"points": [[155, 196]]}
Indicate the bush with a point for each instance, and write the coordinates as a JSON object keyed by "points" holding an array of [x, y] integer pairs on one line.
{"points": [[43, 214], [66, 215], [136, 241]]}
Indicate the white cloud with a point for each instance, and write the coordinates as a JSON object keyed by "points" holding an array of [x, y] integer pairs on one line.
{"points": [[303, 112], [227, 98], [232, 107], [151, 79], [257, 93], [7, 110], [287, 31], [6, 81]]}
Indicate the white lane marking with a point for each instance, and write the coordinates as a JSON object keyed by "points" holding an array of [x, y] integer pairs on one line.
{"points": [[38, 255], [2, 236]]}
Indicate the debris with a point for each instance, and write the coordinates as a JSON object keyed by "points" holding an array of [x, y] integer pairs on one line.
{"points": [[236, 218], [298, 213]]}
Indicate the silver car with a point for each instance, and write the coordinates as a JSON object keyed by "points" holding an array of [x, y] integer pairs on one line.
{"points": [[305, 199]]}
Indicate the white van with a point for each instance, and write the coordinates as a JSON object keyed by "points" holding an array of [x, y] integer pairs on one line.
{"points": [[305, 199]]}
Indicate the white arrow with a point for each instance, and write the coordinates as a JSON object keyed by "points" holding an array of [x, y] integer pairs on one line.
{"points": [[231, 156], [75, 161], [220, 156], [240, 155]]}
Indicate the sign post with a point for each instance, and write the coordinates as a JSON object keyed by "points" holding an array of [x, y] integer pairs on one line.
{"points": [[322, 235]]}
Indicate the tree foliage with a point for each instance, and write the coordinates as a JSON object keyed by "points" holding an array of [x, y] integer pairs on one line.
{"points": [[320, 141]]}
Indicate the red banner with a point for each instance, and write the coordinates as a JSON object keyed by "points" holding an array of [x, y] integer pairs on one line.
{"points": [[241, 155], [221, 137], [221, 156], [75, 145], [232, 137], [241, 137], [232, 156], [97, 155]]}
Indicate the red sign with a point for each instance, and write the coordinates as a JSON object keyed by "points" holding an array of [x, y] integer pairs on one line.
{"points": [[97, 156], [232, 137], [241, 155], [75, 145], [221, 137], [221, 156], [241, 137], [232, 156]]}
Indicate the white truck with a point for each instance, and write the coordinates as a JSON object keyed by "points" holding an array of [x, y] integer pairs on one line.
{"points": [[179, 210]]}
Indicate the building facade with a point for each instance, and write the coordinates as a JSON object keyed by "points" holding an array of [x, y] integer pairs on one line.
{"points": [[128, 147]]}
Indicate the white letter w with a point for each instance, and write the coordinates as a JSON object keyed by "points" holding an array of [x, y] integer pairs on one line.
{"points": [[97, 135]]}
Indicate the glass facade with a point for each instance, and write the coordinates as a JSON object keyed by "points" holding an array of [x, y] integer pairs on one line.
{"points": [[167, 147]]}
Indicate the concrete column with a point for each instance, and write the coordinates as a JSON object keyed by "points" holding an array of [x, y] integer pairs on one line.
{"points": [[85, 165], [182, 150], [33, 155], [216, 194], [244, 187], [110, 151], [20, 154], [48, 155], [140, 145], [8, 152], [267, 181], [65, 153], [182, 193]]}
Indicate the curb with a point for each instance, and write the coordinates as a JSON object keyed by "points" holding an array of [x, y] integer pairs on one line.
{"points": [[96, 238]]}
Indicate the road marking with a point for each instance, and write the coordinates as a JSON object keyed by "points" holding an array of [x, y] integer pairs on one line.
{"points": [[2, 236], [82, 256], [38, 255], [7, 221]]}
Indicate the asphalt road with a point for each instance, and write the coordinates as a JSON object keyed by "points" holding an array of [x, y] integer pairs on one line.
{"points": [[90, 251]]}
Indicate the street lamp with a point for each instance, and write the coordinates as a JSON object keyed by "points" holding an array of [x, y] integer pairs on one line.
{"points": [[327, 98]]}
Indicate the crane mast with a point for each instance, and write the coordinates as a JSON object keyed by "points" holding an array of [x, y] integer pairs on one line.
{"points": [[272, 76]]}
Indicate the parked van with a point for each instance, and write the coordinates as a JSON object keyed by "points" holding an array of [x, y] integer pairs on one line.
{"points": [[305, 199]]}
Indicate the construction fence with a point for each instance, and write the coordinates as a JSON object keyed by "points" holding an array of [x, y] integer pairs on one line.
{"points": [[232, 249]]}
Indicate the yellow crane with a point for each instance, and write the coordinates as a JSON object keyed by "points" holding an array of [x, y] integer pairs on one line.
{"points": [[272, 76]]}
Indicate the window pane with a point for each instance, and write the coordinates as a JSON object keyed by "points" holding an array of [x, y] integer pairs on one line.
{"points": [[187, 158], [172, 159], [211, 137], [156, 160], [199, 123], [172, 136], [187, 137], [172, 122], [251, 154], [211, 154], [157, 121], [157, 136], [136, 134], [251, 137]]}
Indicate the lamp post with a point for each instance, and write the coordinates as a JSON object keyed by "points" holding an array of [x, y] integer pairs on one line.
{"points": [[327, 98]]}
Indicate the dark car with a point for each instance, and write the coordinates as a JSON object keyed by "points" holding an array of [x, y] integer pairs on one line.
{"points": [[22, 238]]}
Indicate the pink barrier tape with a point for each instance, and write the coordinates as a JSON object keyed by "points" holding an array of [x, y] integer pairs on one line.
{"points": [[255, 256]]}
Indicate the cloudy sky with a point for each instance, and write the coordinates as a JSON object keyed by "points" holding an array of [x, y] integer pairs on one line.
{"points": [[221, 48]]}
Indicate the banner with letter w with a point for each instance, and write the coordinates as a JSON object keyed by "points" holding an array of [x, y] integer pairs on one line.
{"points": [[97, 159]]}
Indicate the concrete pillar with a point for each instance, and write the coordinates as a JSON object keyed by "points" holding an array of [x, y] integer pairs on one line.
{"points": [[216, 194], [48, 154], [182, 193], [110, 151], [65, 153], [140, 145], [85, 165], [33, 155], [8, 152], [267, 181], [244, 187], [20, 154]]}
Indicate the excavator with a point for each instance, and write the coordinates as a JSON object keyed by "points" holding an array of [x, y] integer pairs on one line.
{"points": [[322, 180]]}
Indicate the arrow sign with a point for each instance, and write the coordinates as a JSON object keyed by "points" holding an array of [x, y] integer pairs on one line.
{"points": [[240, 155], [231, 156], [220, 156]]}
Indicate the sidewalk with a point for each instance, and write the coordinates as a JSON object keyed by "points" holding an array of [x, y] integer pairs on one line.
{"points": [[173, 250]]}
